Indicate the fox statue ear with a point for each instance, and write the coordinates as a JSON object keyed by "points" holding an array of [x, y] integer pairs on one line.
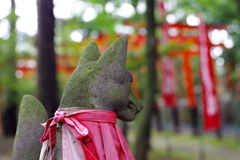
{"points": [[113, 60], [90, 53]]}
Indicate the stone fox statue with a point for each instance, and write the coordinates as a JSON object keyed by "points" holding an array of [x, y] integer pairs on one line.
{"points": [[99, 83]]}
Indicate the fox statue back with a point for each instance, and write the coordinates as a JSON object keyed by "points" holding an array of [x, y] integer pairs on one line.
{"points": [[99, 82]]}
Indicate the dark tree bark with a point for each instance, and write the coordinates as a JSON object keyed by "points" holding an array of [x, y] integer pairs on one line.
{"points": [[194, 120], [47, 83], [9, 117], [142, 145], [175, 118]]}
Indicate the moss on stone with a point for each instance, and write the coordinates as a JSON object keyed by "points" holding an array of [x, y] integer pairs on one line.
{"points": [[31, 115], [90, 53]]}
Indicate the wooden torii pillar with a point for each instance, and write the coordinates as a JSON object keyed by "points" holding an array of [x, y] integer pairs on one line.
{"points": [[187, 68]]}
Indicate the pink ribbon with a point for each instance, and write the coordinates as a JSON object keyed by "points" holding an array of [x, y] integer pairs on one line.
{"points": [[79, 131], [108, 142]]}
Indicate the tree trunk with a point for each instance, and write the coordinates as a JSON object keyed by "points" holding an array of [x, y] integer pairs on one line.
{"points": [[175, 118], [9, 117], [194, 120], [47, 83], [142, 145]]}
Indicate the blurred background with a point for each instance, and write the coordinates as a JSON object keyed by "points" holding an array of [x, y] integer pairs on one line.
{"points": [[183, 54]]}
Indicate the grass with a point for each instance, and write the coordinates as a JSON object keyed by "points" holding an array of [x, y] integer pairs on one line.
{"points": [[184, 146], [227, 142], [156, 154]]}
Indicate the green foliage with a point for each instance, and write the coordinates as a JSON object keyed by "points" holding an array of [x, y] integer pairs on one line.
{"points": [[8, 67], [156, 154], [215, 11], [9, 84], [167, 47], [135, 59]]}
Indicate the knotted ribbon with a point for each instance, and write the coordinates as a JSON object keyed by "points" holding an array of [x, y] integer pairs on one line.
{"points": [[100, 138]]}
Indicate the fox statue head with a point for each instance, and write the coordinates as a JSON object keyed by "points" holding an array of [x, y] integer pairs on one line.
{"points": [[103, 82]]}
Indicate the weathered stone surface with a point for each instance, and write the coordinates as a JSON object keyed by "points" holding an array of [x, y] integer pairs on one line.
{"points": [[103, 82], [31, 115], [90, 53]]}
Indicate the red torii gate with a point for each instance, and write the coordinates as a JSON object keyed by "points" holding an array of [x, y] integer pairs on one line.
{"points": [[184, 34], [67, 63]]}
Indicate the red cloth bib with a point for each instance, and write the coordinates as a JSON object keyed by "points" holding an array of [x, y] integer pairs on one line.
{"points": [[97, 132]]}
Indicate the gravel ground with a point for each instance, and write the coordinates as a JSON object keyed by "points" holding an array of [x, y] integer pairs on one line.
{"points": [[6, 144]]}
